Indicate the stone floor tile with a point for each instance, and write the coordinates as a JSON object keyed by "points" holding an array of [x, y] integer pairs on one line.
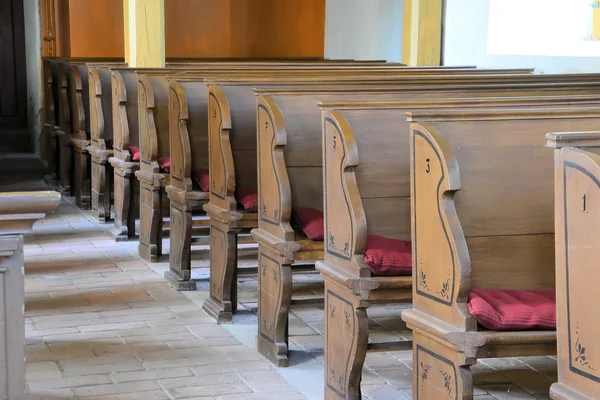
{"points": [[211, 390], [399, 376], [116, 388], [50, 394], [48, 384], [156, 374], [383, 392], [287, 395], [151, 395], [265, 381]]}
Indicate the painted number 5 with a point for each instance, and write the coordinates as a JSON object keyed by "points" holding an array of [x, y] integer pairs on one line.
{"points": [[428, 169]]}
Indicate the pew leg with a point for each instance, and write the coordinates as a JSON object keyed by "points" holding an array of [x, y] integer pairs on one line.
{"points": [[222, 302], [274, 300], [151, 196], [65, 161], [100, 179], [81, 178], [346, 339], [180, 272], [52, 177], [124, 205], [439, 372]]}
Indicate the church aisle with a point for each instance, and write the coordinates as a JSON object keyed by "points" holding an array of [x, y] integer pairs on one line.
{"points": [[102, 324]]}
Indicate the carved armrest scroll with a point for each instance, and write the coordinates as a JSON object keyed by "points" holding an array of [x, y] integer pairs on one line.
{"points": [[345, 219], [275, 195], [441, 262]]}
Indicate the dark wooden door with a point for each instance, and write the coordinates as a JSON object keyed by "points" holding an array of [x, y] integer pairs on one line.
{"points": [[13, 84]]}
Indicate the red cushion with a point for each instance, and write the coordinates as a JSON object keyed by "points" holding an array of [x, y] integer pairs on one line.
{"points": [[165, 164], [202, 178], [388, 256], [248, 198], [135, 153], [503, 310], [311, 222]]}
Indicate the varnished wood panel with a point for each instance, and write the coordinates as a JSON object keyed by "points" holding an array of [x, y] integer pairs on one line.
{"points": [[95, 28]]}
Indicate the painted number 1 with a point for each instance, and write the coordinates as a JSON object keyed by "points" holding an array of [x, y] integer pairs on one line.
{"points": [[585, 203]]}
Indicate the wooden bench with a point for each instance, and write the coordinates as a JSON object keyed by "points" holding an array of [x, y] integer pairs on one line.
{"points": [[577, 185], [150, 214], [18, 212], [61, 73], [482, 185], [374, 208], [125, 167], [226, 219], [79, 91]]}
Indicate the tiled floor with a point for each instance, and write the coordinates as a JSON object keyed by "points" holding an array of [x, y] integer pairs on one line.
{"points": [[102, 324]]}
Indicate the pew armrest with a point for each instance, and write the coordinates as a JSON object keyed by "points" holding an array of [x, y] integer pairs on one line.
{"points": [[441, 278], [120, 124], [77, 112], [274, 190], [345, 219], [221, 164], [20, 210], [96, 112], [181, 152], [558, 140], [147, 125]]}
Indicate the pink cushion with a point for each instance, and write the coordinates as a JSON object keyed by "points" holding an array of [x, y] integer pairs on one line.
{"points": [[202, 178], [165, 164], [311, 222], [248, 198], [135, 153], [503, 310], [388, 256]]}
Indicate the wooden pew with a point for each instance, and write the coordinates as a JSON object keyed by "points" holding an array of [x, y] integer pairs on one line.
{"points": [[18, 212], [61, 84], [222, 208], [482, 186], [290, 180], [80, 138], [126, 210], [155, 181], [577, 185]]}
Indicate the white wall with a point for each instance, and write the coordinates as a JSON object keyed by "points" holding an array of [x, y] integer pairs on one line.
{"points": [[552, 36], [364, 29], [34, 75]]}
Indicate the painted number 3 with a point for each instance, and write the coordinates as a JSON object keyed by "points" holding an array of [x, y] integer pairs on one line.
{"points": [[428, 169], [334, 143]]}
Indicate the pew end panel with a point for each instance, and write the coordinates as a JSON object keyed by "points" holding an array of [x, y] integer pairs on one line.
{"points": [[80, 140], [188, 120], [48, 134], [64, 131], [577, 185], [18, 212], [125, 134], [361, 198], [100, 148], [153, 106], [232, 164], [465, 163]]}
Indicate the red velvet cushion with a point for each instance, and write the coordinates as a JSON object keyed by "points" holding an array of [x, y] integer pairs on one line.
{"points": [[388, 256], [135, 153], [311, 222], [202, 178], [503, 310], [248, 198], [165, 164]]}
